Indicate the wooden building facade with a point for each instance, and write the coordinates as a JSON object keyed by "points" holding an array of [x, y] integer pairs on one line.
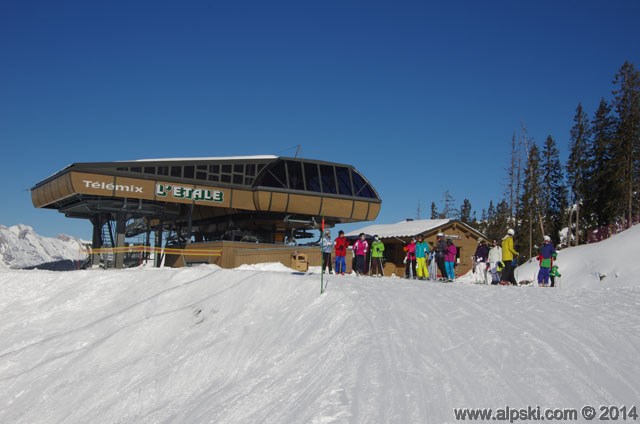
{"points": [[396, 236]]}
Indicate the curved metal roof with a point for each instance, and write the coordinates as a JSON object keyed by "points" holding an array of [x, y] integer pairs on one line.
{"points": [[272, 172]]}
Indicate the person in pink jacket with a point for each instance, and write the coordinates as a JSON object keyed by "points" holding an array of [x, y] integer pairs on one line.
{"points": [[450, 260], [360, 248], [410, 259]]}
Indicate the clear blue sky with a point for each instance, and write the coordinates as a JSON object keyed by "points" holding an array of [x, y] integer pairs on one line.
{"points": [[422, 97]]}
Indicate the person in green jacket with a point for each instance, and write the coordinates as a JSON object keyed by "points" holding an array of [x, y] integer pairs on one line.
{"points": [[377, 253]]}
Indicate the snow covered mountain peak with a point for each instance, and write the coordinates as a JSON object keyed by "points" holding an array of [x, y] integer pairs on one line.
{"points": [[21, 247]]}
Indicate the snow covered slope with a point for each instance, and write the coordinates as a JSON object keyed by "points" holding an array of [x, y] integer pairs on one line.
{"points": [[21, 247], [260, 344], [613, 262]]}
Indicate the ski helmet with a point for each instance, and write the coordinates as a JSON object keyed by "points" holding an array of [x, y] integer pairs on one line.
{"points": [[510, 231]]}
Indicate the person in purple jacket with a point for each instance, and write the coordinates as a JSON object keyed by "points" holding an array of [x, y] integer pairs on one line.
{"points": [[547, 252], [450, 260], [480, 262]]}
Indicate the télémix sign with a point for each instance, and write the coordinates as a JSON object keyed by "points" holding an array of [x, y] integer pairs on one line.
{"points": [[162, 190], [101, 185]]}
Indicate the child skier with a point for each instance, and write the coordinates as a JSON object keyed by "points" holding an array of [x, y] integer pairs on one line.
{"points": [[555, 272], [545, 257]]}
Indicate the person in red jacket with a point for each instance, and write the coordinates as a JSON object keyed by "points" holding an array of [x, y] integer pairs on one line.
{"points": [[341, 244]]}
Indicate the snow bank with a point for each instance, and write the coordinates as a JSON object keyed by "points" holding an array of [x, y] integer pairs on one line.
{"points": [[610, 263]]}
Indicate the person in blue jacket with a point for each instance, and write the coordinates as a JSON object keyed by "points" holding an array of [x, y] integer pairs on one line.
{"points": [[422, 253]]}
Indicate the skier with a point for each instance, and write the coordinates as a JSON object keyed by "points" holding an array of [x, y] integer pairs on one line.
{"points": [[422, 252], [327, 246], [450, 260], [441, 249], [410, 259], [495, 256], [480, 262], [555, 272], [546, 259], [377, 253], [433, 267], [509, 258], [341, 243], [360, 248]]}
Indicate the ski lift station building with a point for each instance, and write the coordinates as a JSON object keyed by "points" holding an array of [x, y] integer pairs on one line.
{"points": [[239, 209]]}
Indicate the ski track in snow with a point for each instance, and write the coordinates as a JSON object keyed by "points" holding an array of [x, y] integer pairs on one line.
{"points": [[227, 346]]}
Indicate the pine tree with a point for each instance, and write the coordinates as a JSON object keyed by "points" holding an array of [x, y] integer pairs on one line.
{"points": [[602, 199], [578, 164], [434, 211], [627, 106], [553, 191], [497, 220], [482, 224], [502, 220], [530, 212], [465, 211], [490, 221]]}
